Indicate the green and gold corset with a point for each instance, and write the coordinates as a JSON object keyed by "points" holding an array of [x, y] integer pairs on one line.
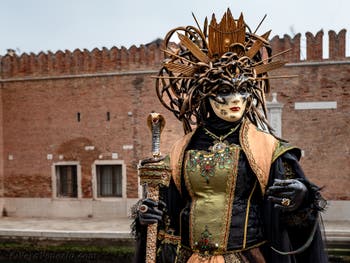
{"points": [[210, 179]]}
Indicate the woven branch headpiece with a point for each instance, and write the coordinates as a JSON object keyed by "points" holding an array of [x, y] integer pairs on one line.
{"points": [[205, 59]]}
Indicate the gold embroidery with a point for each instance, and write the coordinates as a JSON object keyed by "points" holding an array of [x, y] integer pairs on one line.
{"points": [[288, 171], [212, 200], [281, 149], [168, 238], [233, 258], [176, 158], [224, 252], [230, 188], [258, 147], [247, 217], [208, 161]]}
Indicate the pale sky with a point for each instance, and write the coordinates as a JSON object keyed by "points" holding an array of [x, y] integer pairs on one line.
{"points": [[52, 25]]}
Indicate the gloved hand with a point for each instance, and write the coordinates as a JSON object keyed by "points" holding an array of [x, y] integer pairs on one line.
{"points": [[154, 171], [287, 195], [151, 160], [150, 211]]}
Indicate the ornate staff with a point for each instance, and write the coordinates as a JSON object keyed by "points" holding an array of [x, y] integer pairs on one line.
{"points": [[154, 172]]}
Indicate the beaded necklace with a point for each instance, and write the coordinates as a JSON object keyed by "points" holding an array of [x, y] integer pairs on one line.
{"points": [[219, 141]]}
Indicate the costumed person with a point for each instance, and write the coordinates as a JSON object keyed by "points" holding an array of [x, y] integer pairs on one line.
{"points": [[237, 192]]}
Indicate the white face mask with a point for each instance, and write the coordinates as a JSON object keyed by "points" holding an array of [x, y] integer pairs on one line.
{"points": [[233, 104]]}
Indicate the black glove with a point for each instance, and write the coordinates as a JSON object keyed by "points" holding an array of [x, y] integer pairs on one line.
{"points": [[287, 195], [150, 211]]}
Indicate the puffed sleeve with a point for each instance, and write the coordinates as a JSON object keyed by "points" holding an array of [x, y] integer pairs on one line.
{"points": [[288, 167], [168, 237], [295, 234]]}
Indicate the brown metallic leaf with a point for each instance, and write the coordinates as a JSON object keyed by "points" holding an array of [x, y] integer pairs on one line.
{"points": [[268, 67], [257, 45], [186, 70], [193, 48]]}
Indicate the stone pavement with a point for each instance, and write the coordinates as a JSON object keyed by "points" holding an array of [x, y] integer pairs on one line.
{"points": [[108, 228], [337, 231], [65, 228]]}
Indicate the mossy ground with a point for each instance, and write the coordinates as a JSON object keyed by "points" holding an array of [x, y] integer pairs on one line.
{"points": [[64, 253]]}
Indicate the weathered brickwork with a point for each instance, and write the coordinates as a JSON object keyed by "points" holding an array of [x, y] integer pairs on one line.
{"points": [[1, 148], [42, 119], [42, 94], [323, 134], [81, 62]]}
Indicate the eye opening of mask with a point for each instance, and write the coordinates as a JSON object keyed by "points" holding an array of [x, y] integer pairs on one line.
{"points": [[222, 92]]}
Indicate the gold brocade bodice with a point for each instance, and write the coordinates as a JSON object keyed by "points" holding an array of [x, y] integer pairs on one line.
{"points": [[210, 179]]}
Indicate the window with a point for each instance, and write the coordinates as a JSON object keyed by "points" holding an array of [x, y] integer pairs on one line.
{"points": [[109, 180], [66, 180]]}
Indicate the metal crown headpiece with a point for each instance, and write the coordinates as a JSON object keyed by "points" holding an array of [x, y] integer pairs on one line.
{"points": [[205, 59]]}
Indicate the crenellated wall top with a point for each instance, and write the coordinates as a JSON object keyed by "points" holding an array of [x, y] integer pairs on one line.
{"points": [[146, 57], [81, 61]]}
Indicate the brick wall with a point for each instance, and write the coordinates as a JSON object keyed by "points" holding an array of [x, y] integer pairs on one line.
{"points": [[1, 149], [41, 118], [81, 62], [42, 94], [323, 134]]}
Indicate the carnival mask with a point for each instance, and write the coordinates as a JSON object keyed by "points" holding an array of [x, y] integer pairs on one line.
{"points": [[205, 60], [230, 101]]}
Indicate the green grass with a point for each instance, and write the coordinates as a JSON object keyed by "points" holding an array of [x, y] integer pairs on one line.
{"points": [[114, 250]]}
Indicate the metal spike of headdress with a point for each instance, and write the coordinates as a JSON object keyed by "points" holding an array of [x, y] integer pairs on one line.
{"points": [[206, 59]]}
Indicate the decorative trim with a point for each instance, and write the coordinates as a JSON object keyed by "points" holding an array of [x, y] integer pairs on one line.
{"points": [[226, 252], [247, 217], [281, 149], [259, 147], [193, 206], [168, 238], [226, 173], [288, 171], [246, 148], [231, 187], [176, 158]]}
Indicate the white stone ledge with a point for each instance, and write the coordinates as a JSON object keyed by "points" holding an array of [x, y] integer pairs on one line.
{"points": [[317, 105], [64, 234], [318, 63]]}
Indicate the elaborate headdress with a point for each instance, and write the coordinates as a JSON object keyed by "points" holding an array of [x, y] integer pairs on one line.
{"points": [[225, 53]]}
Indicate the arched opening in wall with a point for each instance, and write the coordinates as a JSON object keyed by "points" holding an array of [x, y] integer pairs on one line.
{"points": [[325, 44], [302, 48], [347, 45]]}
